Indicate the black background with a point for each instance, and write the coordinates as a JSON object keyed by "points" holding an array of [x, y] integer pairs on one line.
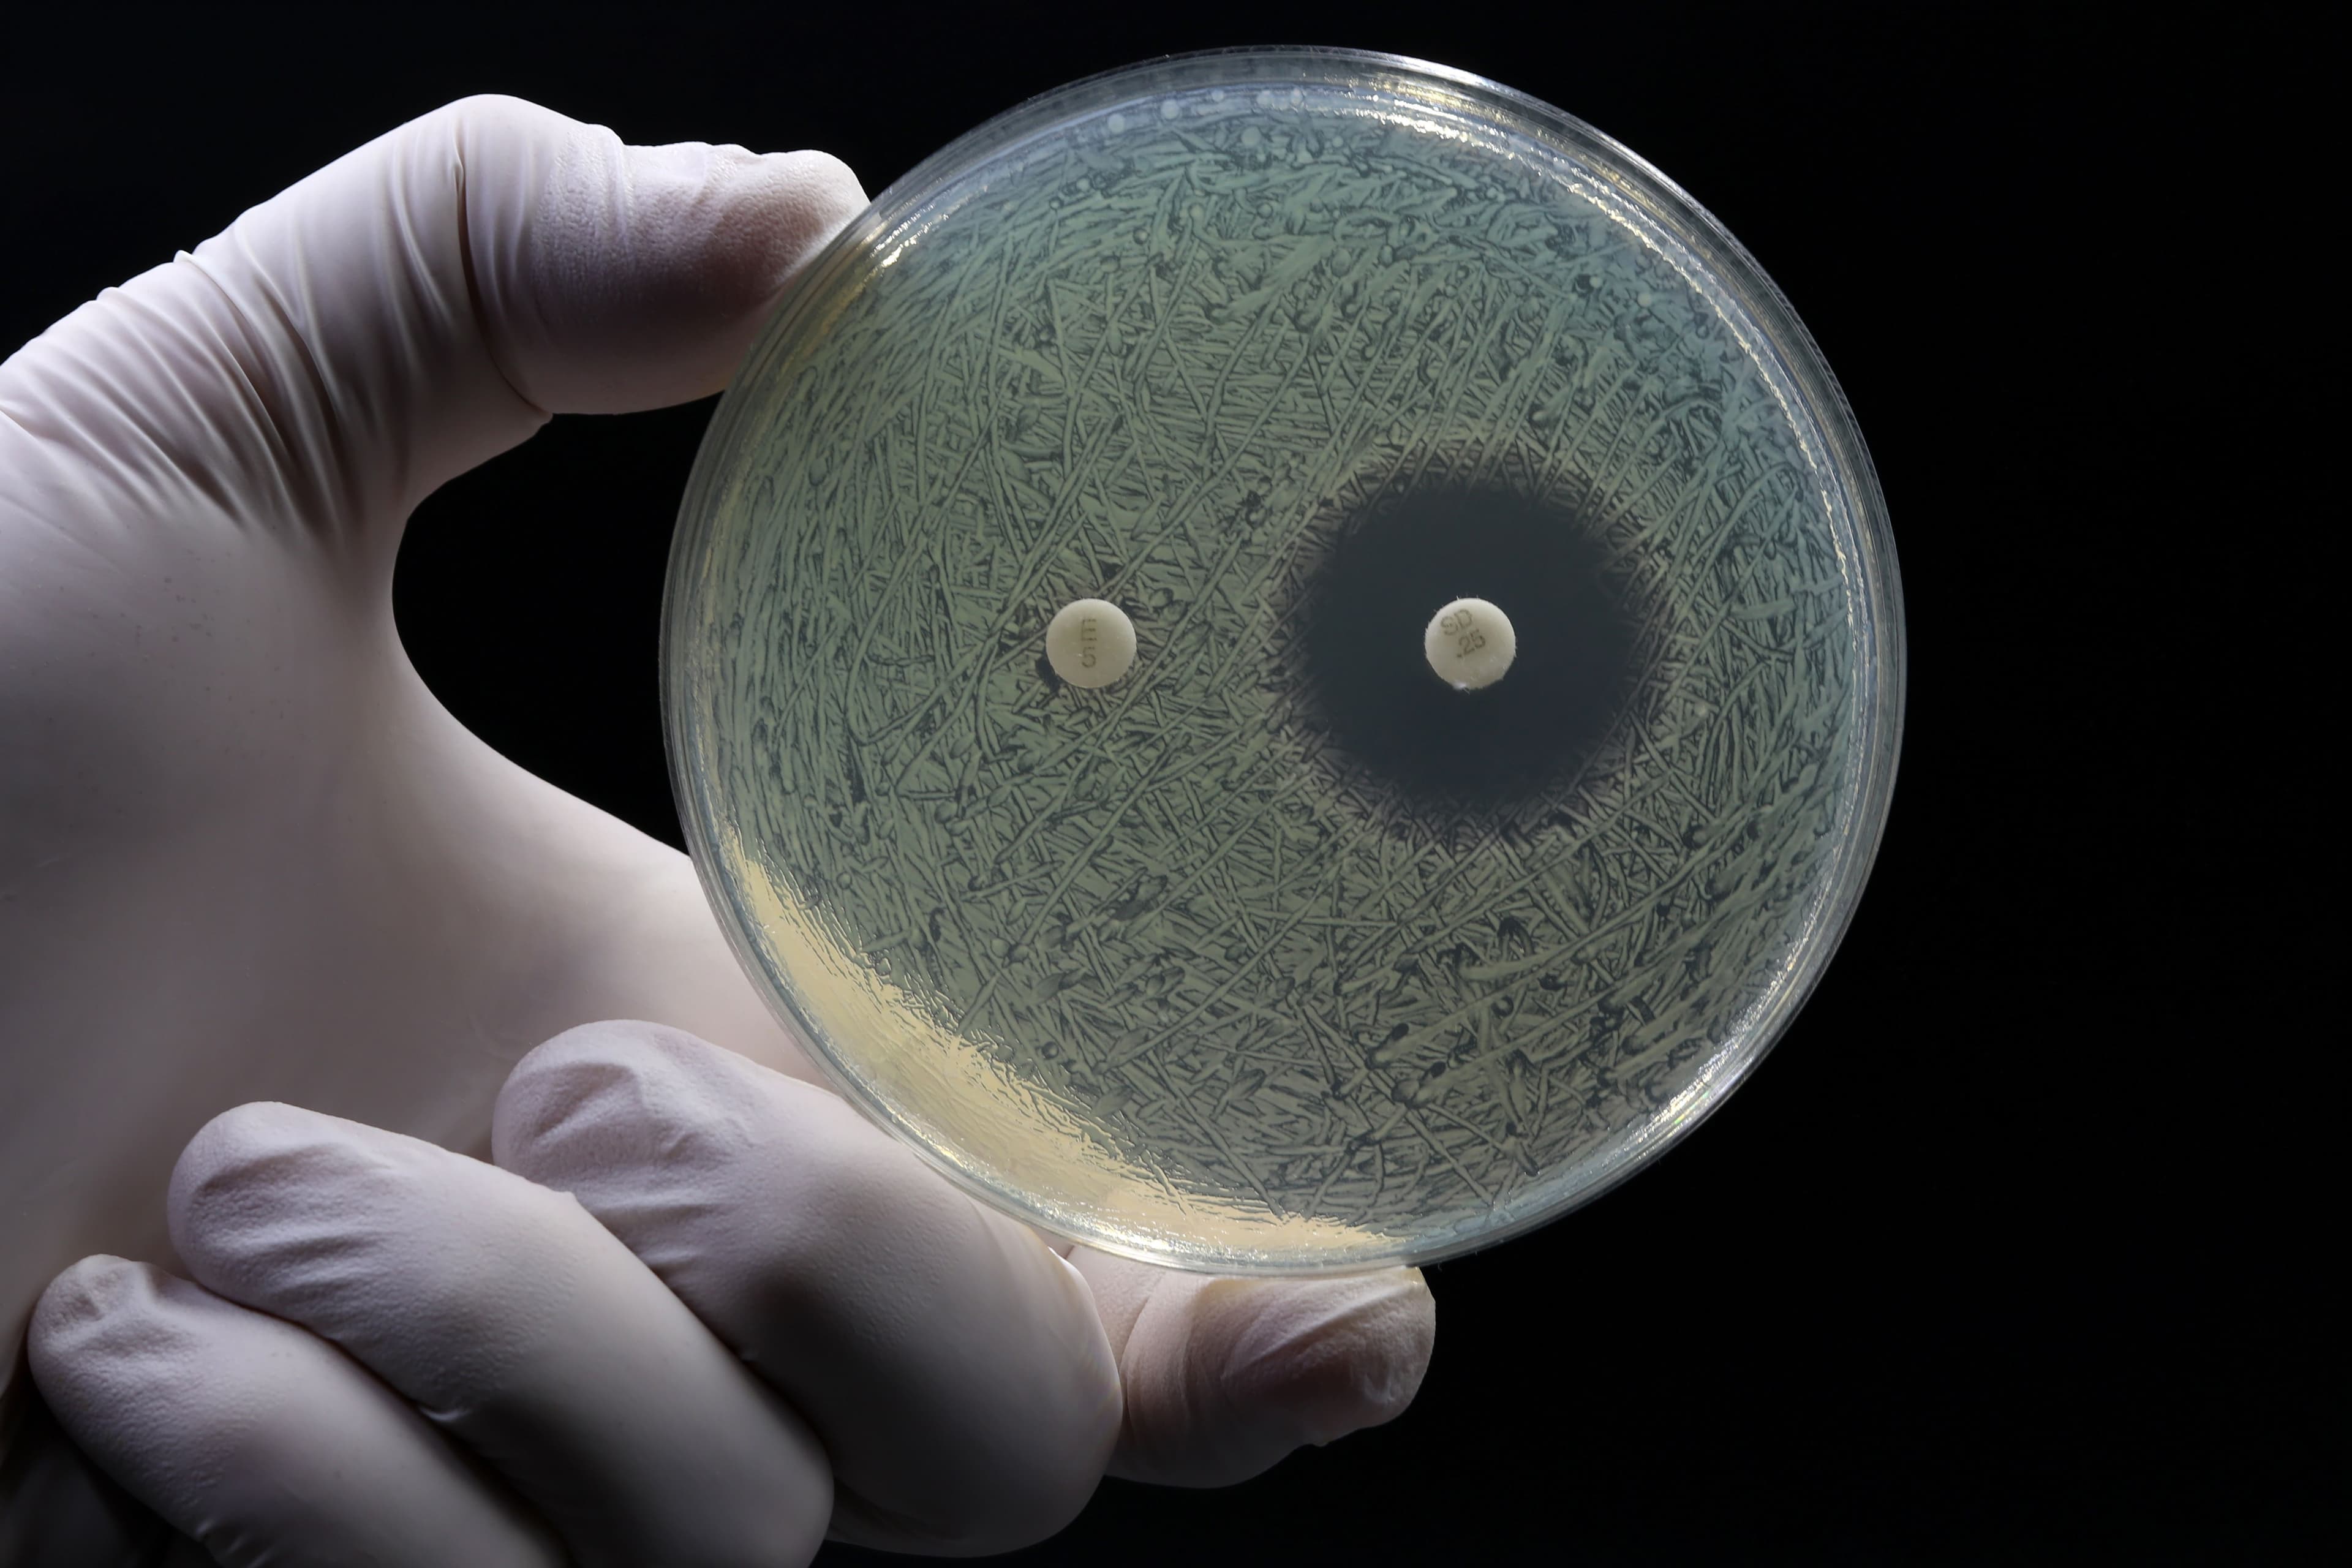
{"points": [[1987, 1262]]}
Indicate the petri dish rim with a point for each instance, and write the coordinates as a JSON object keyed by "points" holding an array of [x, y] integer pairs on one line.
{"points": [[1720, 263]]}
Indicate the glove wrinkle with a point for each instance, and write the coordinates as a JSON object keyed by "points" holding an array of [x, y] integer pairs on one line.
{"points": [[310, 463], [477, 310]]}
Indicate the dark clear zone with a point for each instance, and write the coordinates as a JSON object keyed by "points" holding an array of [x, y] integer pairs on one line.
{"points": [[1398, 561]]}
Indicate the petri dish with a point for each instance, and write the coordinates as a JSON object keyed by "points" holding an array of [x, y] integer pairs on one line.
{"points": [[1279, 952]]}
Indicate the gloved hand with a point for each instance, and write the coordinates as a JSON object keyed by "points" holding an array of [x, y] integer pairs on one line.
{"points": [[245, 856]]}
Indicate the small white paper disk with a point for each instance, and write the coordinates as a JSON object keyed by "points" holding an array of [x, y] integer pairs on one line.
{"points": [[1470, 644], [1090, 642]]}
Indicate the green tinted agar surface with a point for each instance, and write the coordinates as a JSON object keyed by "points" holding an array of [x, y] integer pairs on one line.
{"points": [[1136, 358]]}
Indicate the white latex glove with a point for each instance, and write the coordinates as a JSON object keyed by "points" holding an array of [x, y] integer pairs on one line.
{"points": [[245, 856]]}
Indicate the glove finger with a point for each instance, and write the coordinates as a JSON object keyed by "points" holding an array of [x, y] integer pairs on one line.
{"points": [[259, 1440], [1224, 1377], [418, 305], [514, 1322], [951, 1363]]}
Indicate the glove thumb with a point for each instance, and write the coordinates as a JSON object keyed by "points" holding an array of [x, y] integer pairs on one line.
{"points": [[416, 307], [1223, 1377]]}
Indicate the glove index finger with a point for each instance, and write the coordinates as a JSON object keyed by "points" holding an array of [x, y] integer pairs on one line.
{"points": [[952, 1364], [515, 1324], [261, 1441]]}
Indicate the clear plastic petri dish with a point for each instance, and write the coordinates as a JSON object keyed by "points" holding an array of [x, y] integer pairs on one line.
{"points": [[1279, 950]]}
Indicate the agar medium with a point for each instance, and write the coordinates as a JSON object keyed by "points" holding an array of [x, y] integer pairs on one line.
{"points": [[1274, 951]]}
